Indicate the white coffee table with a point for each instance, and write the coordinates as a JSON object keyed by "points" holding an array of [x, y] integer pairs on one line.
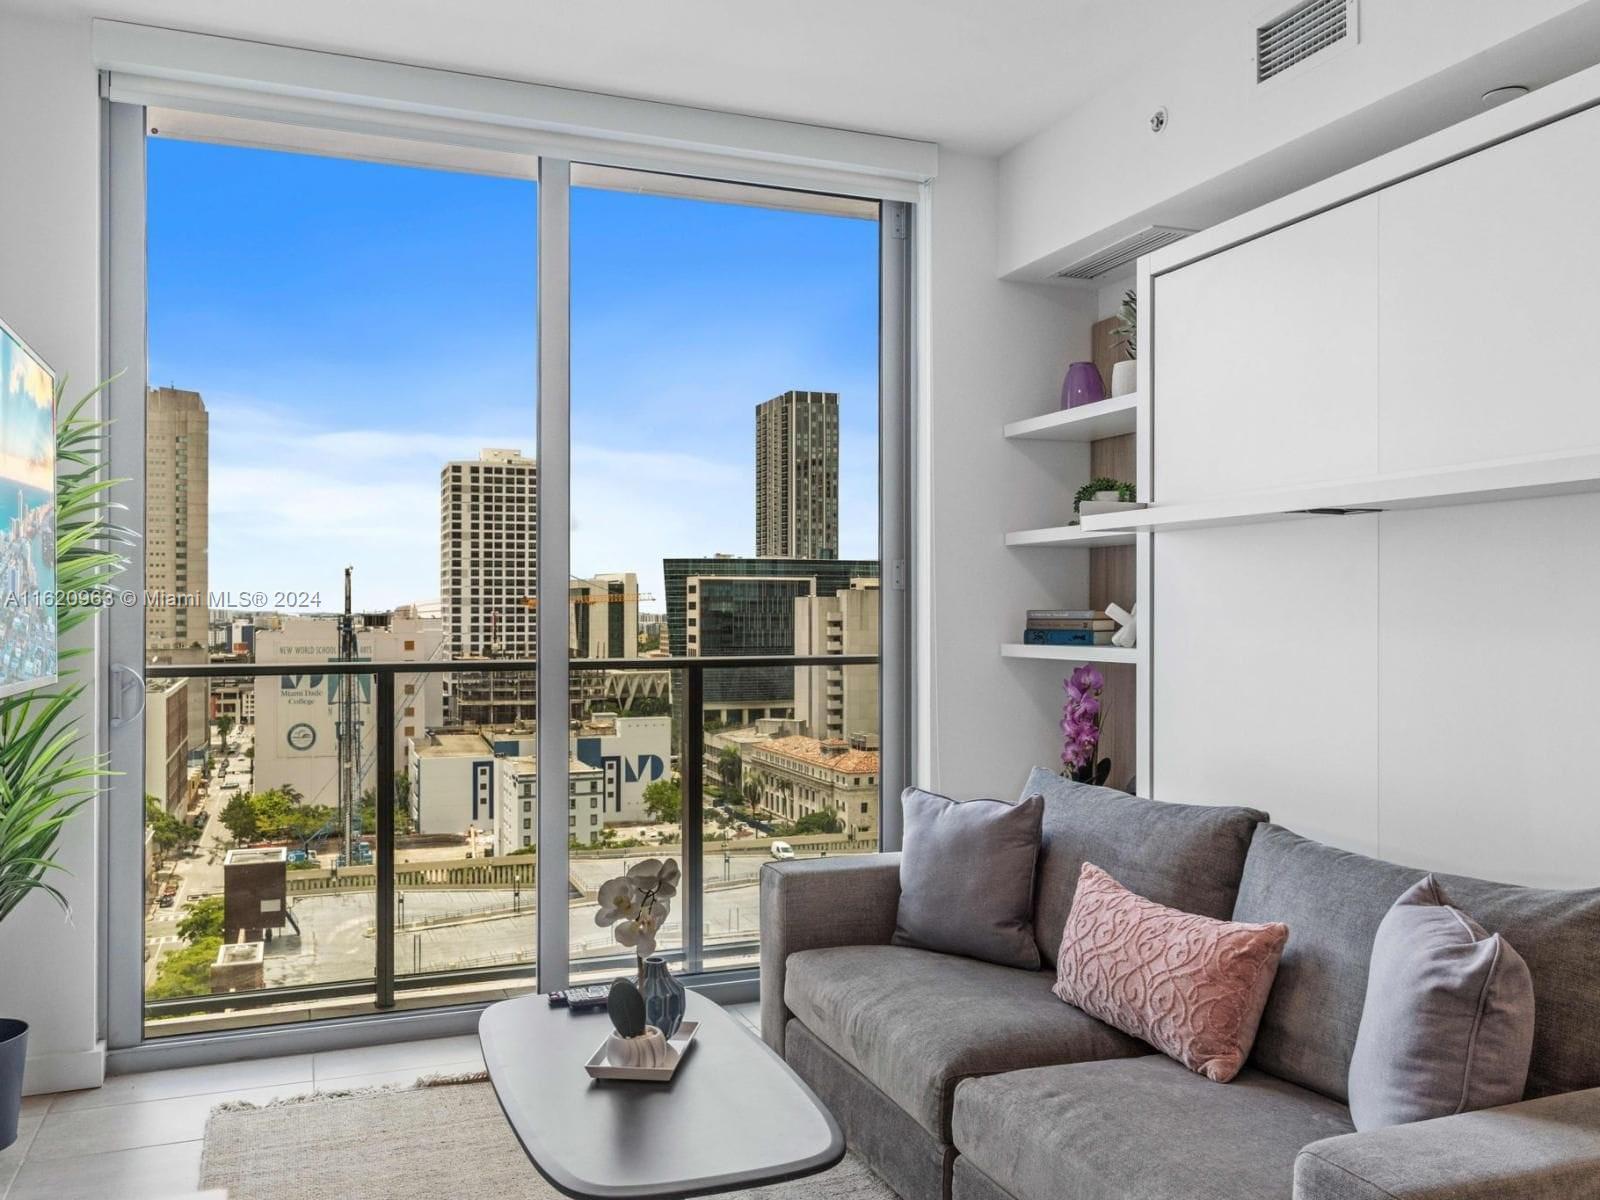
{"points": [[734, 1114]]}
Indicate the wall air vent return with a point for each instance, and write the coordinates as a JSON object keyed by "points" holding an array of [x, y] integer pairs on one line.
{"points": [[1123, 251], [1306, 29]]}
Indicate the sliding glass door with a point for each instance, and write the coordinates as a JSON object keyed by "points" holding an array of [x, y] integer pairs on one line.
{"points": [[725, 504], [366, 776]]}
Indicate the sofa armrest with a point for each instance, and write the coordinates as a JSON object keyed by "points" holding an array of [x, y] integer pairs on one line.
{"points": [[806, 904], [1545, 1149]]}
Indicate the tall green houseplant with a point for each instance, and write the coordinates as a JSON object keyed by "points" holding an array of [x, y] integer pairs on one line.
{"points": [[45, 776]]}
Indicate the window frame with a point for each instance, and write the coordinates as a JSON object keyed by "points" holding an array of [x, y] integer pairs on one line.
{"points": [[126, 128]]}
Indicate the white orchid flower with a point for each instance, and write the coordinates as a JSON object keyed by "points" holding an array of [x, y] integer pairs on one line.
{"points": [[637, 935], [618, 899]]}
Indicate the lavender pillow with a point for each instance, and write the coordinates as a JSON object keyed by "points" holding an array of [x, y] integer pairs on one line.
{"points": [[966, 877], [1448, 1021]]}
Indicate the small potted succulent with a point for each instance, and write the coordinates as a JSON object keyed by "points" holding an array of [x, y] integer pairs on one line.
{"points": [[637, 904], [1103, 495], [1125, 374], [633, 1044]]}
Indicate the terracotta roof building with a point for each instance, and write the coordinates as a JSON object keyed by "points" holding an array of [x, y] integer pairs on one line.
{"points": [[795, 776]]}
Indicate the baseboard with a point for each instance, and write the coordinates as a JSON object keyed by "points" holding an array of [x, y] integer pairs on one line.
{"points": [[65, 1071]]}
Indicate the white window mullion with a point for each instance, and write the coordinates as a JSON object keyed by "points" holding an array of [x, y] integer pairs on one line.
{"points": [[554, 563]]}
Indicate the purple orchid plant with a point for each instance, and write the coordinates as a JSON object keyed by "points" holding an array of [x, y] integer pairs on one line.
{"points": [[1080, 727]]}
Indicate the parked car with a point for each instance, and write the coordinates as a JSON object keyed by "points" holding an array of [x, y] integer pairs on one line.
{"points": [[781, 851]]}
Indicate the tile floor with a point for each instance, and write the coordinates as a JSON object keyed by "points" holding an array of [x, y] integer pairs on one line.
{"points": [[138, 1137]]}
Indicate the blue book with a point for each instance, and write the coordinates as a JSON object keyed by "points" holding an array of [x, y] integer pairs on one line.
{"points": [[1060, 637]]}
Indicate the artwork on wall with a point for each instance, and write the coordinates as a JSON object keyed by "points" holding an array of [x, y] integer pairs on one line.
{"points": [[27, 518]]}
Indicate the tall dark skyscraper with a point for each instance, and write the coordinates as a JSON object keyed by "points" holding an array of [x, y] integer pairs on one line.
{"points": [[797, 476]]}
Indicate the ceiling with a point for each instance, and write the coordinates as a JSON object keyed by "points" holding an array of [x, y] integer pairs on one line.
{"points": [[977, 75]]}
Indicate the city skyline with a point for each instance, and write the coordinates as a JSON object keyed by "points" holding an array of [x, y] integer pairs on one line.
{"points": [[337, 384]]}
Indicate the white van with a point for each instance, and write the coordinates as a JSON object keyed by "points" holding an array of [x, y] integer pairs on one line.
{"points": [[782, 851]]}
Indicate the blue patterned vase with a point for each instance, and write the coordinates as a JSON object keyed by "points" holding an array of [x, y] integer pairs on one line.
{"points": [[664, 997]]}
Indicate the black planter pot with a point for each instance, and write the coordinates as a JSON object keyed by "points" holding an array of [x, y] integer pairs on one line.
{"points": [[13, 1053]]}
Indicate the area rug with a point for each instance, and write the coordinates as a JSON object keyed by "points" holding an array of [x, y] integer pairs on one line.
{"points": [[443, 1139]]}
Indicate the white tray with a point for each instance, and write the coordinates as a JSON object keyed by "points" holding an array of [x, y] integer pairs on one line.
{"points": [[677, 1047]]}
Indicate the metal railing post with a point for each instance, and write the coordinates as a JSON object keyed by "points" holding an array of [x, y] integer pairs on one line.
{"points": [[384, 964], [693, 813]]}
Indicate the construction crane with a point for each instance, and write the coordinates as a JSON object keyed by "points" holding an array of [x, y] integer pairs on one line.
{"points": [[349, 731], [608, 598]]}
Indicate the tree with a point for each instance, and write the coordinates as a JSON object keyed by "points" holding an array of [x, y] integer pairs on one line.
{"points": [[186, 972], [821, 821], [650, 706], [202, 920], [238, 815], [402, 805], [729, 768], [224, 728], [274, 816], [167, 833], [663, 801]]}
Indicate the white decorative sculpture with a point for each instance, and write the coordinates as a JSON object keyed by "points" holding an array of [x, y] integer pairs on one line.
{"points": [[1128, 633]]}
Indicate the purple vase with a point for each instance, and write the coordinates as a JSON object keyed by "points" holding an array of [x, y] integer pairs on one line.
{"points": [[1082, 385]]}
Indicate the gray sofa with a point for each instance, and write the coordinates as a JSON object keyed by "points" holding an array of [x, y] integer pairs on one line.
{"points": [[958, 1078]]}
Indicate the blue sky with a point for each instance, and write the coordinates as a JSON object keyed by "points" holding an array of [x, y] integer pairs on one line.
{"points": [[351, 326]]}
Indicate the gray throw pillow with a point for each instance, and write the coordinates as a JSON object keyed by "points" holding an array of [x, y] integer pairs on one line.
{"points": [[966, 877], [1448, 1021]]}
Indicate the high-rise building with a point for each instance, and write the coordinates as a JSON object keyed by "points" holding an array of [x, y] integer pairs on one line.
{"points": [[838, 702], [603, 616], [731, 606], [797, 476], [177, 541], [488, 554]]}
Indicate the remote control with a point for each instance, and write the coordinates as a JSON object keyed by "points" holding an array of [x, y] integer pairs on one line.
{"points": [[582, 999]]}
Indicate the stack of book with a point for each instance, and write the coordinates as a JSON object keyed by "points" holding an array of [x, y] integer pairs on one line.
{"points": [[1068, 627]]}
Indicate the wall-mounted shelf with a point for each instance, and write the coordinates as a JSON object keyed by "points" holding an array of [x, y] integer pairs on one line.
{"points": [[1069, 535], [1074, 654], [1482, 483], [1088, 423]]}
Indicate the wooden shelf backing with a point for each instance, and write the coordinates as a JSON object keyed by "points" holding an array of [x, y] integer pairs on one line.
{"points": [[1088, 423], [1482, 483], [1078, 654], [1069, 535]]}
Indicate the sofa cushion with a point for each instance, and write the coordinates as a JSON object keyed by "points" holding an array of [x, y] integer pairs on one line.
{"points": [[1191, 986], [1448, 1022], [1186, 856], [1333, 901], [966, 877], [1143, 1127], [916, 1023]]}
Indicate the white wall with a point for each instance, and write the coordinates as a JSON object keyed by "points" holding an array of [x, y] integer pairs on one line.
{"points": [[49, 280], [1229, 144], [993, 352]]}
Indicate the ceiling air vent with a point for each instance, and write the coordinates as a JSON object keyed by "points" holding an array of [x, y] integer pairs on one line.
{"points": [[1304, 30], [1123, 251]]}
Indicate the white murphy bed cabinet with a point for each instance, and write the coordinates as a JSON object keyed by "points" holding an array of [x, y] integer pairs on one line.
{"points": [[1421, 335]]}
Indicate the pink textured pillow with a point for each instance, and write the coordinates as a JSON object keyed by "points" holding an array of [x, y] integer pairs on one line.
{"points": [[1191, 986]]}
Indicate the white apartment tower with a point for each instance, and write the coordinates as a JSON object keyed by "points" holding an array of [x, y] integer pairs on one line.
{"points": [[488, 555], [838, 702], [797, 476]]}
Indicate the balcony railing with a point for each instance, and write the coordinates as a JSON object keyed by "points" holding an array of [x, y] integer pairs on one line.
{"points": [[385, 874]]}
